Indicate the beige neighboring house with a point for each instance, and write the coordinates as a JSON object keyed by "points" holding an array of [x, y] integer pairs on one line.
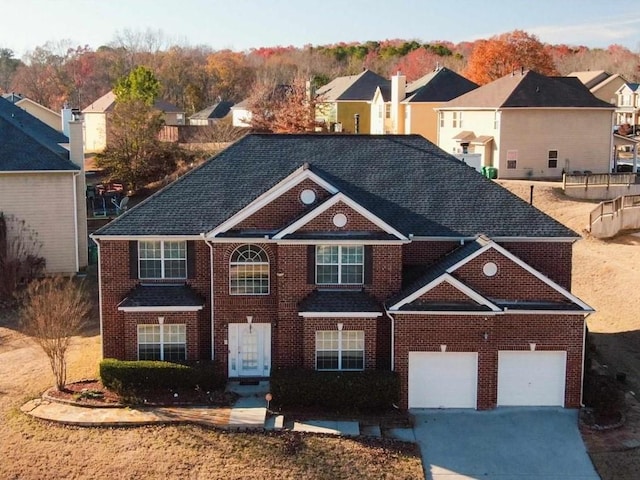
{"points": [[601, 83], [96, 117], [42, 113], [628, 105], [409, 108], [344, 104], [42, 183], [528, 125]]}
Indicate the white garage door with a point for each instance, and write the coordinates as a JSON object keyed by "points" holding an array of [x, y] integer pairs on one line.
{"points": [[531, 378], [443, 379]]}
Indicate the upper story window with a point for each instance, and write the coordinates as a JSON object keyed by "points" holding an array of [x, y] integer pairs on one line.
{"points": [[496, 120], [387, 110], [441, 114], [162, 259], [249, 271], [457, 120], [339, 264]]}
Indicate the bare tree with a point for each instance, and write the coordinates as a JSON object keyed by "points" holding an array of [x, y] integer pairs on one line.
{"points": [[19, 255], [54, 310]]}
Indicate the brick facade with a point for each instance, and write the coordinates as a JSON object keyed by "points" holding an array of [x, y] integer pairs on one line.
{"points": [[293, 337], [422, 333]]}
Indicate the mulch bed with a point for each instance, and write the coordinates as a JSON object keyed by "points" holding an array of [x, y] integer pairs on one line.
{"points": [[92, 393]]}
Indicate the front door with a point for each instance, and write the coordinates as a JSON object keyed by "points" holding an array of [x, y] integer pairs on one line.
{"points": [[249, 350]]}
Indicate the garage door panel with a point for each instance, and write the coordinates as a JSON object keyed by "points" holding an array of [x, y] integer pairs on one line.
{"points": [[531, 378], [443, 379]]}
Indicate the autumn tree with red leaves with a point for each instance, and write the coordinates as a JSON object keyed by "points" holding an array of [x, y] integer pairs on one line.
{"points": [[503, 54]]}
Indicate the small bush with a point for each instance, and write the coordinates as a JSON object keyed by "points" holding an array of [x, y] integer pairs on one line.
{"points": [[370, 390], [132, 377], [604, 395]]}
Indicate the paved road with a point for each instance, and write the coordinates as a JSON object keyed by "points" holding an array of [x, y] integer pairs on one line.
{"points": [[523, 444]]}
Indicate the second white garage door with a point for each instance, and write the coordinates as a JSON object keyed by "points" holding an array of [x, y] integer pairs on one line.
{"points": [[443, 379], [531, 378]]}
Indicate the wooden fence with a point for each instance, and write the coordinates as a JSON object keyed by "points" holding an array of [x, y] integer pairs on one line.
{"points": [[613, 207]]}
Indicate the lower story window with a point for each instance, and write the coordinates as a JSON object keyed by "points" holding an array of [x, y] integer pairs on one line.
{"points": [[162, 342], [340, 350], [553, 159]]}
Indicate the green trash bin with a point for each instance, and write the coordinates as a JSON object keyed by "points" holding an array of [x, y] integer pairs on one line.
{"points": [[483, 170], [93, 254], [492, 173]]}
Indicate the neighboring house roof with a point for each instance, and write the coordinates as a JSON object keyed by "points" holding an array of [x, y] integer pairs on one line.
{"points": [[441, 85], [107, 102], [12, 97], [404, 180], [359, 87], [529, 90], [215, 111], [591, 78], [27, 144]]}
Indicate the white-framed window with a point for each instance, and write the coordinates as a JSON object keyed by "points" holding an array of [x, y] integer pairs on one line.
{"points": [[166, 342], [162, 259], [339, 264], [339, 350], [553, 159], [249, 271], [454, 120], [441, 119], [380, 110], [496, 120], [387, 110], [512, 159]]}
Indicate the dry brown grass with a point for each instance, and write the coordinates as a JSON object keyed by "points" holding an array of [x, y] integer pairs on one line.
{"points": [[31, 449], [606, 275]]}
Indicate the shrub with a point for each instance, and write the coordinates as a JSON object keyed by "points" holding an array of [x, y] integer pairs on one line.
{"points": [[370, 390], [604, 395], [134, 377]]}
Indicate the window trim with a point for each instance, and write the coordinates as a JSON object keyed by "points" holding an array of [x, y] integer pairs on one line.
{"points": [[267, 263], [340, 247], [550, 158], [162, 344], [163, 259], [340, 351]]}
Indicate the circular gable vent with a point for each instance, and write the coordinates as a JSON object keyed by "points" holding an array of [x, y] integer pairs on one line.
{"points": [[490, 269], [339, 220], [307, 196]]}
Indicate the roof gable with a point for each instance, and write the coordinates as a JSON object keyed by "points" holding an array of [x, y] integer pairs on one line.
{"points": [[359, 87], [404, 180], [107, 103], [28, 144], [439, 86], [217, 110], [529, 90]]}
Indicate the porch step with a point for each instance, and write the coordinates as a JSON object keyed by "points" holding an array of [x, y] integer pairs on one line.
{"points": [[249, 388]]}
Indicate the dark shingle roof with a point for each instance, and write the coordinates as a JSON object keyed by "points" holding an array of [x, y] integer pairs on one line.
{"points": [[439, 86], [217, 110], [339, 301], [541, 305], [530, 89], [359, 87], [436, 270], [27, 144], [405, 180], [162, 296]]}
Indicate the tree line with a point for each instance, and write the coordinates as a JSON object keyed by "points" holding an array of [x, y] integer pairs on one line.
{"points": [[194, 77]]}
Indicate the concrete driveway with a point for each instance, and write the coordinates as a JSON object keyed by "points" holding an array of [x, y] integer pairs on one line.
{"points": [[502, 444]]}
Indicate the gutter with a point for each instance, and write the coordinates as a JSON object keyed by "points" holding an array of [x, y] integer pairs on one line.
{"points": [[75, 219], [393, 339], [213, 331], [100, 296], [584, 352]]}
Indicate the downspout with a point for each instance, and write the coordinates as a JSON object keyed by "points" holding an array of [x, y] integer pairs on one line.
{"points": [[75, 219], [584, 350], [393, 339], [213, 331], [100, 295]]}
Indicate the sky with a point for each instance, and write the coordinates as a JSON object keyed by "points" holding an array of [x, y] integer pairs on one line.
{"points": [[245, 24]]}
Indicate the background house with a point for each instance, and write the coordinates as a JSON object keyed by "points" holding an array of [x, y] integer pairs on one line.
{"points": [[348, 253], [42, 113], [96, 119], [601, 83], [211, 114], [345, 97], [410, 108], [42, 183], [529, 125]]}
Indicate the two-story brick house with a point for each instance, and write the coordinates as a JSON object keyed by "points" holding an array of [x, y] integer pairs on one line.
{"points": [[336, 252]]}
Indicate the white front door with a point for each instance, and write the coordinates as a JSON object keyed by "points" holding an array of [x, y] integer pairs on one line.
{"points": [[249, 350]]}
